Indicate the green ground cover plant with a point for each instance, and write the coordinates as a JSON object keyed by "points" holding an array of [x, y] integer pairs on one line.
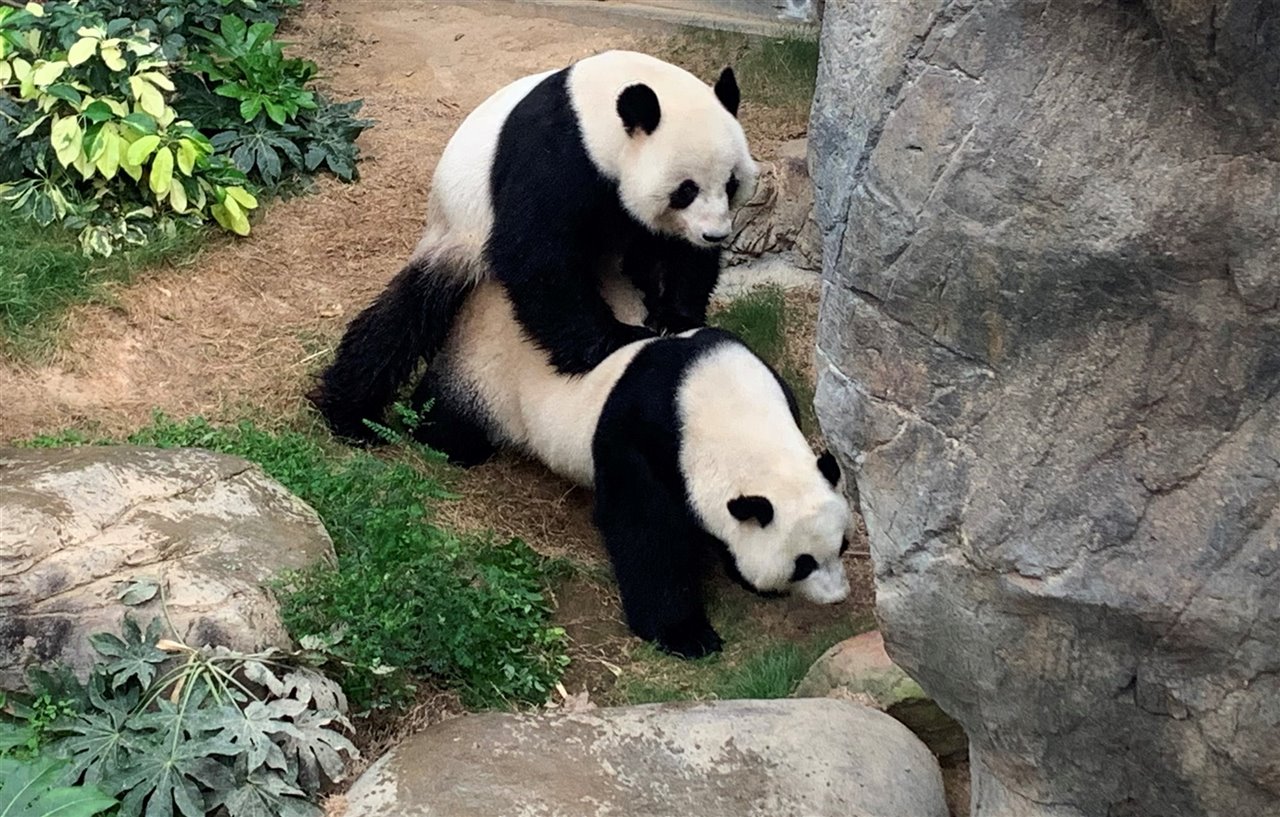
{"points": [[161, 728], [407, 600]]}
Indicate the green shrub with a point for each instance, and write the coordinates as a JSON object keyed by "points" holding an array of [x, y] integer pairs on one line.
{"points": [[406, 598], [121, 120]]}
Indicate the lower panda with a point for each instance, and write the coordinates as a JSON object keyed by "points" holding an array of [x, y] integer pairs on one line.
{"points": [[691, 443]]}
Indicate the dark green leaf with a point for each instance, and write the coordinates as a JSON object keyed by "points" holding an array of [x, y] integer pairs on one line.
{"points": [[317, 748], [64, 92], [30, 789], [99, 111], [264, 793], [143, 123]]}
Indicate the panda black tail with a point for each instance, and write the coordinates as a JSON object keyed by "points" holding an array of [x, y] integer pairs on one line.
{"points": [[410, 320]]}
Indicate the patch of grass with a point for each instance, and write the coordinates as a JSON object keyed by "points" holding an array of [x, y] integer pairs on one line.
{"points": [[406, 598], [43, 271], [759, 318], [754, 664], [778, 72]]}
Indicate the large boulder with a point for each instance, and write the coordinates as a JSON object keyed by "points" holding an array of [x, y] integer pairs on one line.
{"points": [[816, 758], [859, 670], [1049, 349], [197, 531]]}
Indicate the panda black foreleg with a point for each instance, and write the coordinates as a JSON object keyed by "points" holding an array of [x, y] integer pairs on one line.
{"points": [[652, 544], [447, 427], [564, 312], [676, 278]]}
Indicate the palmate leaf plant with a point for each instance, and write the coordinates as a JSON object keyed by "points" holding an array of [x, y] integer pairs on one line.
{"points": [[168, 729]]}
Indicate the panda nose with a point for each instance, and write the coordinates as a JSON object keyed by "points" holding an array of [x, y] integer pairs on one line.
{"points": [[714, 238]]}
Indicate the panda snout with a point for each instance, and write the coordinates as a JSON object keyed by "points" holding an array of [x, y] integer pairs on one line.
{"points": [[714, 238]]}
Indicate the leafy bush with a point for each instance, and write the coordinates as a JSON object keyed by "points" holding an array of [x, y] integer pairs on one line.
{"points": [[124, 119], [169, 728], [406, 598]]}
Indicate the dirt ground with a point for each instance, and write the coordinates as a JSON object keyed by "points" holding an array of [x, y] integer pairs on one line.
{"points": [[241, 327]]}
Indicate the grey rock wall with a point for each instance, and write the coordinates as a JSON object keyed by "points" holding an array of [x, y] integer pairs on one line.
{"points": [[1049, 348]]}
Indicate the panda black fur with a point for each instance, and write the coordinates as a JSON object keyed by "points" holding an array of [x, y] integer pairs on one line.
{"points": [[691, 443], [619, 158]]}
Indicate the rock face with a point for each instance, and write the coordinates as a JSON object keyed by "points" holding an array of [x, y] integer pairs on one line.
{"points": [[859, 670], [779, 217], [816, 758], [80, 524], [1049, 348]]}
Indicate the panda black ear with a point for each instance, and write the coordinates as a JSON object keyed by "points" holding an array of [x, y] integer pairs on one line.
{"points": [[752, 507], [638, 107], [727, 91], [829, 467]]}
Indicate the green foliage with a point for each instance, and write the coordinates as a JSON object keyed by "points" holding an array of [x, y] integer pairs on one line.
{"points": [[406, 597], [30, 788], [122, 119], [172, 729]]}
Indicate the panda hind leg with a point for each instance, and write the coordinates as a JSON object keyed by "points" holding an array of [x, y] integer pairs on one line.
{"points": [[447, 426], [651, 543]]}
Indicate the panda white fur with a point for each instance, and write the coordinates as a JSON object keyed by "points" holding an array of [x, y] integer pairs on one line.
{"points": [[690, 441], [618, 157]]}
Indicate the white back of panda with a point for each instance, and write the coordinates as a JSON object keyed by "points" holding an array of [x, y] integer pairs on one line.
{"points": [[511, 384]]}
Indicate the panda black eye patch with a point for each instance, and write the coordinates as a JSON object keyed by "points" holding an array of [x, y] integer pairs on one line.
{"points": [[805, 564], [684, 195], [731, 187]]}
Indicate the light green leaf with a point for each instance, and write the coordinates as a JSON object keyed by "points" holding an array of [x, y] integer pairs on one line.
{"points": [[109, 161], [141, 149], [157, 79], [48, 73], [242, 197], [82, 50], [162, 172], [30, 129], [65, 136], [187, 153], [152, 101], [178, 197], [35, 9], [111, 55]]}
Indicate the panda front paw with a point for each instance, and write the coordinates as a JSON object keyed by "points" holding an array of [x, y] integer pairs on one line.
{"points": [[690, 639]]}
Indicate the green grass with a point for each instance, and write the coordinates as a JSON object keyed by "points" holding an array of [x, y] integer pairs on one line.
{"points": [[778, 72], [755, 663], [43, 271], [467, 611]]}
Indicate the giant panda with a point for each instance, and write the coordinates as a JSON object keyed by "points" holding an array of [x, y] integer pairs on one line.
{"points": [[690, 441], [618, 156]]}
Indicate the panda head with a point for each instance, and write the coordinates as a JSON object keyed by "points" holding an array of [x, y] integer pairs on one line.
{"points": [[793, 541], [684, 166]]}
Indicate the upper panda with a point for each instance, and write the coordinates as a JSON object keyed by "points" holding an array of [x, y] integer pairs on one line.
{"points": [[691, 443], [618, 159]]}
